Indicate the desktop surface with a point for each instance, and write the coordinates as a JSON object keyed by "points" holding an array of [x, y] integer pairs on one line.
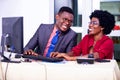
{"points": [[65, 70]]}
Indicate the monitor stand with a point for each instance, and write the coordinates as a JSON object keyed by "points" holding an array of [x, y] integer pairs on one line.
{"points": [[5, 59], [9, 61]]}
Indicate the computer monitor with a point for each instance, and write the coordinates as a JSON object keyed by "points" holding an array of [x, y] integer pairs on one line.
{"points": [[12, 33]]}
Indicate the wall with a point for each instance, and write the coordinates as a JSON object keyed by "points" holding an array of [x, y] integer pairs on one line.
{"points": [[34, 12]]}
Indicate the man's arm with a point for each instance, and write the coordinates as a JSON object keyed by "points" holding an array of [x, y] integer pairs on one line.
{"points": [[72, 43]]}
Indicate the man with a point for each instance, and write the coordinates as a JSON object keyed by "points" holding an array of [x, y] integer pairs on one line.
{"points": [[43, 37]]}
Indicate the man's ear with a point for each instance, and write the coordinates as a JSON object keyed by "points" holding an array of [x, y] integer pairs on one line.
{"points": [[57, 17]]}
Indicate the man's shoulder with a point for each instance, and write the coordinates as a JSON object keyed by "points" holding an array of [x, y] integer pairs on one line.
{"points": [[72, 31], [46, 25]]}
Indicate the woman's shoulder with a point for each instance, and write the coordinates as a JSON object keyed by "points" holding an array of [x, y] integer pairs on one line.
{"points": [[107, 39], [87, 36]]}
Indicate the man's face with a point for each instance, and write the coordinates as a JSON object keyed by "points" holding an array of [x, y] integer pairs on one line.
{"points": [[64, 21]]}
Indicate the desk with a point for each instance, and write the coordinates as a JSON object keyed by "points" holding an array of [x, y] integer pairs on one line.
{"points": [[66, 70]]}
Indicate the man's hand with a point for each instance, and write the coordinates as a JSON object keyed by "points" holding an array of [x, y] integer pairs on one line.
{"points": [[30, 52], [54, 54], [62, 55]]}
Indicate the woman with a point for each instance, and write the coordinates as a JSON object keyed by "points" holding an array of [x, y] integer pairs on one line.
{"points": [[96, 42]]}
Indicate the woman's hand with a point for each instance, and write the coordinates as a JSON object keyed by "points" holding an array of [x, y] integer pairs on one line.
{"points": [[69, 58], [96, 55]]}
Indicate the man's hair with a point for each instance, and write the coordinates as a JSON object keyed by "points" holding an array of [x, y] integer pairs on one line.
{"points": [[65, 9], [106, 20]]}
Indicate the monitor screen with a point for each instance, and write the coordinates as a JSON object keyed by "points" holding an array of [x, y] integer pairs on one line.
{"points": [[12, 34]]}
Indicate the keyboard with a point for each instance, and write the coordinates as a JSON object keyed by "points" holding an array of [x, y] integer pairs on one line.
{"points": [[42, 58]]}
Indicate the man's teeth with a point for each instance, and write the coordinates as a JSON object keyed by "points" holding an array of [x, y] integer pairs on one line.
{"points": [[90, 29], [64, 26]]}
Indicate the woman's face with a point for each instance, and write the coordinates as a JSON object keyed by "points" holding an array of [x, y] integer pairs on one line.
{"points": [[94, 27], [64, 21]]}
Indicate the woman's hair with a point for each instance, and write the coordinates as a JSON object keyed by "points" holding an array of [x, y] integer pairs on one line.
{"points": [[106, 19]]}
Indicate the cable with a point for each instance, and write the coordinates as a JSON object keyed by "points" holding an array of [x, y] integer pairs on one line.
{"points": [[7, 67], [2, 75], [45, 70], [6, 71]]}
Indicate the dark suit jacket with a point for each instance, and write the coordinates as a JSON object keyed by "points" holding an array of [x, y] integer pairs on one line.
{"points": [[65, 42]]}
